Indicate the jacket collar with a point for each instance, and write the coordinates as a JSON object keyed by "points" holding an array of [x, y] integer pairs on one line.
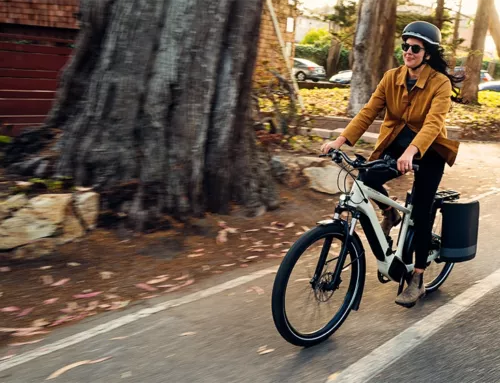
{"points": [[422, 79]]}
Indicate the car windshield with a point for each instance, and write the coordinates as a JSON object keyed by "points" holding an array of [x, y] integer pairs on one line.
{"points": [[306, 62]]}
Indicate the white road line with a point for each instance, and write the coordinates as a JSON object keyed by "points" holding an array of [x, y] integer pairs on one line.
{"points": [[388, 353], [382, 357], [120, 322]]}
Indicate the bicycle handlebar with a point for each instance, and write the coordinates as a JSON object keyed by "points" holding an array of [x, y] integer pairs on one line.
{"points": [[360, 163]]}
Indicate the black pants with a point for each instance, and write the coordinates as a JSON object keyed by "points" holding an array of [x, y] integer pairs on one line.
{"points": [[427, 180]]}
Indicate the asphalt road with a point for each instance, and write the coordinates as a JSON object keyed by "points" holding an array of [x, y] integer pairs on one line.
{"points": [[217, 338]]}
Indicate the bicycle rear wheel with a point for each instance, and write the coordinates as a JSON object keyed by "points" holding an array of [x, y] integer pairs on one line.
{"points": [[436, 271], [307, 312]]}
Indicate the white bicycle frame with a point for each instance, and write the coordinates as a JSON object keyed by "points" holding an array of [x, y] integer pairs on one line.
{"points": [[358, 200]]}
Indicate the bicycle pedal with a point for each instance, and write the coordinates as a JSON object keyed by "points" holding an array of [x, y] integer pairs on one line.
{"points": [[382, 278]]}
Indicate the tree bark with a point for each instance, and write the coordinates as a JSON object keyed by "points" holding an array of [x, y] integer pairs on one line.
{"points": [[372, 56], [439, 18], [157, 96], [475, 57], [454, 45], [332, 62], [495, 28]]}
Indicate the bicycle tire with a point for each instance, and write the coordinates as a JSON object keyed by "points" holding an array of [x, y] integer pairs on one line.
{"points": [[357, 262]]}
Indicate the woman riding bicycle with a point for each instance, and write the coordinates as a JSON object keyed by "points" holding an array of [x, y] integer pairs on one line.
{"points": [[417, 96]]}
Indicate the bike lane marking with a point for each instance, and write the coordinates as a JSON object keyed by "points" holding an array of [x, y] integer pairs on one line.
{"points": [[394, 349]]}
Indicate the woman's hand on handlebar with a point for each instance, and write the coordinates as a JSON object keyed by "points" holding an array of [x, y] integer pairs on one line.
{"points": [[405, 162], [333, 145]]}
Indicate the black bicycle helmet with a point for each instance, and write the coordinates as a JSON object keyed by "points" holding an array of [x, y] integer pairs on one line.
{"points": [[423, 30]]}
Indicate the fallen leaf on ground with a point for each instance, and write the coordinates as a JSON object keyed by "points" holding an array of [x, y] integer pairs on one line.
{"points": [[73, 264], [45, 267], [104, 306], [189, 333], [25, 343], [182, 278], [166, 286], [290, 225], [251, 230], [232, 230], [25, 312], [266, 351], [150, 296], [277, 245], [61, 282], [199, 250], [5, 269], [88, 295], [13, 329], [299, 233], [106, 274], [305, 228], [62, 319], [32, 333], [205, 268], [252, 257], [73, 365], [157, 280], [273, 256], [228, 265], [10, 309], [277, 224], [221, 237], [146, 287], [257, 289], [119, 338], [244, 265], [40, 323], [195, 255], [50, 301], [47, 279], [111, 296], [92, 306], [172, 289], [70, 307]]}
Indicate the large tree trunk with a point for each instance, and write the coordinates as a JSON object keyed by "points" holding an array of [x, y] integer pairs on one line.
{"points": [[495, 28], [332, 62], [439, 18], [387, 31], [475, 57], [157, 96], [372, 56], [454, 45]]}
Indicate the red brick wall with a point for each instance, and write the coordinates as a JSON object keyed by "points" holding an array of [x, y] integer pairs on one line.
{"points": [[41, 13]]}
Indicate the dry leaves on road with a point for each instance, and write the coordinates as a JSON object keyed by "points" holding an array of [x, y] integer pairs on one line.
{"points": [[73, 365], [61, 282], [264, 350], [146, 287]]}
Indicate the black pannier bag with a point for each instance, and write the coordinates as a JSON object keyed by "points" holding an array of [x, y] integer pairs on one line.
{"points": [[460, 231]]}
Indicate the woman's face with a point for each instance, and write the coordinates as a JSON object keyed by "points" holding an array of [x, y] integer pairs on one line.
{"points": [[411, 58]]}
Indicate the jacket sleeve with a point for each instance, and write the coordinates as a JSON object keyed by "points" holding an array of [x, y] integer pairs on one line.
{"points": [[362, 121], [435, 119]]}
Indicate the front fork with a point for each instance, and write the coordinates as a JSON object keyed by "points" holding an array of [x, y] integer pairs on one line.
{"points": [[348, 233]]}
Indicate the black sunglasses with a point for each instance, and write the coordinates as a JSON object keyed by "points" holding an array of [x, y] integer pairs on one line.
{"points": [[415, 48]]}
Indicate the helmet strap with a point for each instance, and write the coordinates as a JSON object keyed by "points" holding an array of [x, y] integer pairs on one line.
{"points": [[424, 61]]}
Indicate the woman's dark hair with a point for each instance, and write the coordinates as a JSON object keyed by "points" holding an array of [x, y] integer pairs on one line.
{"points": [[439, 64]]}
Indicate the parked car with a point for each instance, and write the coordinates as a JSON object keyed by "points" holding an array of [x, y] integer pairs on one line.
{"points": [[493, 86], [343, 77], [483, 77], [307, 70]]}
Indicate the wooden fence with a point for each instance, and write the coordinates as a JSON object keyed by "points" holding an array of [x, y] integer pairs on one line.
{"points": [[29, 69]]}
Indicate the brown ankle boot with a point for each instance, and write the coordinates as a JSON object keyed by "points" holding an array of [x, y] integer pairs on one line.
{"points": [[391, 218], [413, 292]]}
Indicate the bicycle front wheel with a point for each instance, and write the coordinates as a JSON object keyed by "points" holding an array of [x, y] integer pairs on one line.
{"points": [[307, 311]]}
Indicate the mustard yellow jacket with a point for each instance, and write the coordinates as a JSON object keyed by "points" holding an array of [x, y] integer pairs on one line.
{"points": [[423, 109]]}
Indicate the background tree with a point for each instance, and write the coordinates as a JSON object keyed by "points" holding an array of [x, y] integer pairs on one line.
{"points": [[456, 41], [475, 57], [495, 28], [369, 53], [439, 15], [156, 97]]}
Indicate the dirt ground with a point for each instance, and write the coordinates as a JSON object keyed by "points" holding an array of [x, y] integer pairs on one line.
{"points": [[111, 268]]}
